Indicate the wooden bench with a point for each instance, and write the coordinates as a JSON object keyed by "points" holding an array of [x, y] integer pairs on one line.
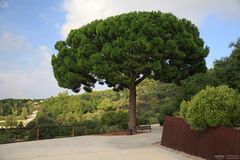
{"points": [[144, 127]]}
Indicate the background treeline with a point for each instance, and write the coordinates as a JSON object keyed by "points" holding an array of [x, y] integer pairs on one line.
{"points": [[16, 106], [14, 110]]}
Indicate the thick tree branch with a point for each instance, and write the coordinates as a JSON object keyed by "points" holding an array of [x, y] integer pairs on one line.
{"points": [[139, 80]]}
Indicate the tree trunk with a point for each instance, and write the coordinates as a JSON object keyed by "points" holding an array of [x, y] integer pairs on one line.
{"points": [[132, 110]]}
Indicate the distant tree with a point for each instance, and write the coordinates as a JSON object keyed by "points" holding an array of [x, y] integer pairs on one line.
{"points": [[106, 105], [30, 106], [1, 110], [122, 51], [14, 110], [24, 112], [192, 85], [11, 121], [88, 105], [227, 70]]}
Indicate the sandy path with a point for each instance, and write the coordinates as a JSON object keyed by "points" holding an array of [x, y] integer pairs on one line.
{"points": [[30, 118]]}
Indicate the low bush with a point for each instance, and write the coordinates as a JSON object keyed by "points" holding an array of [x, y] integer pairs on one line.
{"points": [[153, 120], [112, 118], [166, 110], [5, 138], [142, 119], [91, 126], [213, 106], [42, 120], [122, 119]]}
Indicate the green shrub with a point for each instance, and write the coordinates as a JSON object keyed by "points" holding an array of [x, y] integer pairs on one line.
{"points": [[109, 118], [42, 120], [80, 130], [92, 126], [112, 118], [142, 119], [161, 120], [4, 138], [214, 106], [122, 119], [152, 120], [166, 110], [11, 121]]}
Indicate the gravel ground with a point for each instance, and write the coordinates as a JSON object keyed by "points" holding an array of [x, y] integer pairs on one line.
{"points": [[144, 146]]}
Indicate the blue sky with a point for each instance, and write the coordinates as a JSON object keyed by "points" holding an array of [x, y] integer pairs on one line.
{"points": [[29, 30]]}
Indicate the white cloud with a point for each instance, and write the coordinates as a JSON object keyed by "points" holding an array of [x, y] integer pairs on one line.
{"points": [[80, 12], [10, 43], [37, 83], [25, 70], [45, 55]]}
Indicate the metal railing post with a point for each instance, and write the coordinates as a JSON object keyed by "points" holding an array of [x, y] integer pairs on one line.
{"points": [[73, 130], [37, 133]]}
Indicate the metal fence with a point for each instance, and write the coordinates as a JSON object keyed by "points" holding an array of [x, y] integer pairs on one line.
{"points": [[213, 143], [37, 133]]}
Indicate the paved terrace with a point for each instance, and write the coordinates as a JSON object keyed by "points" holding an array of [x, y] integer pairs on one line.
{"points": [[144, 146]]}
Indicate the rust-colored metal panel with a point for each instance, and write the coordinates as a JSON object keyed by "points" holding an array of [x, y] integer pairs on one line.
{"points": [[237, 142], [213, 143]]}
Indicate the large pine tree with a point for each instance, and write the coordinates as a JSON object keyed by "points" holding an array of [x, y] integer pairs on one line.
{"points": [[123, 50]]}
